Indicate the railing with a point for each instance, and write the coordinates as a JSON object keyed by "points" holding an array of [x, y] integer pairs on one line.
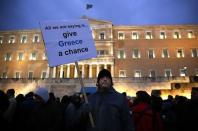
{"points": [[173, 79]]}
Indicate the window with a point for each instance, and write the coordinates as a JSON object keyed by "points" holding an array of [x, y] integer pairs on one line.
{"points": [[165, 53], [196, 72], [121, 54], [167, 73], [102, 36], [194, 52], [1, 39], [7, 57], [44, 56], [151, 54], [44, 75], [35, 38], [176, 35], [102, 52], [180, 53], [137, 73], [121, 36], [190, 34], [135, 53], [17, 75], [162, 35], [11, 39], [33, 56], [30, 75], [20, 56], [24, 39], [135, 36], [122, 73], [149, 35], [183, 71], [152, 73], [4, 75]]}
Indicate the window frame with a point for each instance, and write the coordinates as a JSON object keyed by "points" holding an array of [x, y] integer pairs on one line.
{"points": [[180, 55], [139, 73], [102, 37], [33, 58], [165, 55], [119, 54], [34, 36], [176, 36], [134, 37], [123, 73], [153, 53], [165, 72], [24, 39], [150, 73], [1, 39], [17, 76], [11, 39], [190, 34], [133, 53], [163, 36], [18, 56], [148, 35], [8, 57], [31, 74], [42, 75], [121, 37], [196, 52]]}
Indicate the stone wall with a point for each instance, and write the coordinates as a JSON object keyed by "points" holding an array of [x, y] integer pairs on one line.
{"points": [[62, 87]]}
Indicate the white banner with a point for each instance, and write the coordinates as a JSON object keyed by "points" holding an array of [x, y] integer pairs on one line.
{"points": [[67, 41]]}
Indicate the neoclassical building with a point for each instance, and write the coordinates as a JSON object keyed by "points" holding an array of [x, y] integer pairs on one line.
{"points": [[139, 52], [23, 55]]}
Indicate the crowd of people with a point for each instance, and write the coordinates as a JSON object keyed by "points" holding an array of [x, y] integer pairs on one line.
{"points": [[106, 110]]}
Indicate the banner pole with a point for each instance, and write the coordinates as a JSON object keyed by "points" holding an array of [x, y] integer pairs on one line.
{"points": [[84, 94]]}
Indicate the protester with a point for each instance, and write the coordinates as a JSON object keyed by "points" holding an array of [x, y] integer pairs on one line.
{"points": [[156, 100], [4, 104], [72, 120], [168, 114], [9, 113], [193, 109], [47, 116], [108, 107], [145, 117]]}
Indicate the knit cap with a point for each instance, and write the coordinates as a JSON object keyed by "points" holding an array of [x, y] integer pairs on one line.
{"points": [[103, 73]]}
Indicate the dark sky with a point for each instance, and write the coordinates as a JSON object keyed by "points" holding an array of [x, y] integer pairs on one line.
{"points": [[26, 14]]}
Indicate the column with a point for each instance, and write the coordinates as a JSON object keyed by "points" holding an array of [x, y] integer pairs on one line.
{"points": [[90, 71], [112, 70], [54, 72], [68, 70], [48, 74], [111, 49], [83, 71], [105, 66], [61, 71], [75, 72], [97, 69]]}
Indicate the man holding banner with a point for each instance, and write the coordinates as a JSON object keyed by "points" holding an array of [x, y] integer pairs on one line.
{"points": [[108, 107], [71, 41]]}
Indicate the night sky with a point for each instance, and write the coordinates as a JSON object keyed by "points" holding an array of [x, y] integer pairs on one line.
{"points": [[26, 14]]}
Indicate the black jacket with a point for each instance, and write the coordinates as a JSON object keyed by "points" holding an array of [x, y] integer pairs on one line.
{"points": [[110, 112]]}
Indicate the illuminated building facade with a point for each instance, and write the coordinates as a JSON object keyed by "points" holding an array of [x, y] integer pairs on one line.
{"points": [[23, 55], [138, 52], [156, 51]]}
